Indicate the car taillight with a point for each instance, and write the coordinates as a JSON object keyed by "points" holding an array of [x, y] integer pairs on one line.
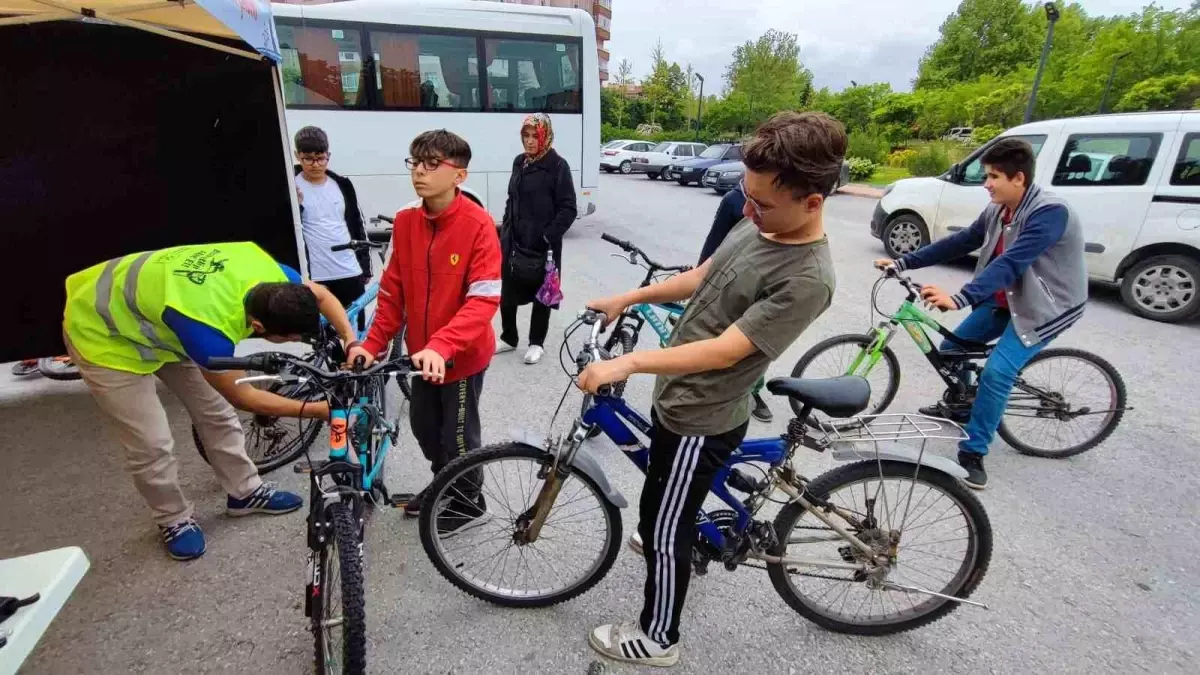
{"points": [[610, 153]]}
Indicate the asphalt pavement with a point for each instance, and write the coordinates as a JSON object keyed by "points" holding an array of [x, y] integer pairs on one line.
{"points": [[1096, 565]]}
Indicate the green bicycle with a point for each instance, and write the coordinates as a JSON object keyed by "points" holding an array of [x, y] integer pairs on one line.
{"points": [[1065, 401]]}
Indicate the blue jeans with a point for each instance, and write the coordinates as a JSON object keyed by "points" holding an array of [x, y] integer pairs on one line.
{"points": [[986, 323]]}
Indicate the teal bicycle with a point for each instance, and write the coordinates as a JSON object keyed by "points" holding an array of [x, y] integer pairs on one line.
{"points": [[1064, 402], [342, 489]]}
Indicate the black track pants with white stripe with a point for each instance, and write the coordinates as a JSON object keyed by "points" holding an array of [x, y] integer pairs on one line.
{"points": [[680, 474]]}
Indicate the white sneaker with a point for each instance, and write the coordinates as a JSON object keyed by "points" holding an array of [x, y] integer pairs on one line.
{"points": [[635, 543], [627, 642], [534, 354], [503, 347]]}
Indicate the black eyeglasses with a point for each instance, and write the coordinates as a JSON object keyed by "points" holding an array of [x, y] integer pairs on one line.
{"points": [[430, 163], [320, 159]]}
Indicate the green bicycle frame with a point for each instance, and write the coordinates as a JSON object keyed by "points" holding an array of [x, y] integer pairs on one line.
{"points": [[914, 321]]}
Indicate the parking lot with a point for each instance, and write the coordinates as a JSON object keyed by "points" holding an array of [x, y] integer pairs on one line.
{"points": [[1096, 565]]}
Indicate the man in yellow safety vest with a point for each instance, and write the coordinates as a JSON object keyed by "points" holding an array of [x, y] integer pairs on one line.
{"points": [[166, 313]]}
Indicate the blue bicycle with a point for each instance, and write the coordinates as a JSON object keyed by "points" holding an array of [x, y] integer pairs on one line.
{"points": [[885, 544], [341, 490], [272, 442]]}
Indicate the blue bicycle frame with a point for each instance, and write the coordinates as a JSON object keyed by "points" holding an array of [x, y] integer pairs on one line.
{"points": [[611, 415], [371, 462], [651, 317], [356, 308]]}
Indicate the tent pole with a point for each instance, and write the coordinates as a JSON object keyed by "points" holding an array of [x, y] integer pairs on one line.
{"points": [[36, 18], [302, 253]]}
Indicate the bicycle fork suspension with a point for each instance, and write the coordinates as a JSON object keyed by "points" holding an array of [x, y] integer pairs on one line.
{"points": [[529, 524]]}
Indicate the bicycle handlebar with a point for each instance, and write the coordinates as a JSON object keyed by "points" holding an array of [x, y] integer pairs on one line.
{"points": [[384, 218], [356, 246], [635, 252]]}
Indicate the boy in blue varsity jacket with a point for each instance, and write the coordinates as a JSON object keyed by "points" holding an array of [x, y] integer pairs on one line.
{"points": [[1030, 285]]}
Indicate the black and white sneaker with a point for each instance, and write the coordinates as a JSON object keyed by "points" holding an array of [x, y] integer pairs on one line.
{"points": [[957, 414], [761, 411], [460, 515], [628, 642], [973, 463]]}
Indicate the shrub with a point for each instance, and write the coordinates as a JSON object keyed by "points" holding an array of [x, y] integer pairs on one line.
{"points": [[861, 168], [985, 133], [930, 160], [867, 145], [901, 158]]}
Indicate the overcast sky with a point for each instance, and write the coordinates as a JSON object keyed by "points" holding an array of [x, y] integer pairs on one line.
{"points": [[840, 40]]}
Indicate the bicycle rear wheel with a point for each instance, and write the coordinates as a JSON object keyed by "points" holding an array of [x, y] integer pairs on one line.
{"points": [[272, 442], [1066, 401], [847, 355], [339, 617], [474, 508], [945, 545]]}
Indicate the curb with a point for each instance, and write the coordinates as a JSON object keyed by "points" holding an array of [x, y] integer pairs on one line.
{"points": [[861, 190]]}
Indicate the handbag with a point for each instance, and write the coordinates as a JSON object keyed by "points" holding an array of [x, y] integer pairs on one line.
{"points": [[526, 266]]}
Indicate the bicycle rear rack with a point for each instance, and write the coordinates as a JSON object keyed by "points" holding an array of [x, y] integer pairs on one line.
{"points": [[890, 427]]}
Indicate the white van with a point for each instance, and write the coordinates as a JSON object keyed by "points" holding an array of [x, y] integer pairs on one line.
{"points": [[1133, 179]]}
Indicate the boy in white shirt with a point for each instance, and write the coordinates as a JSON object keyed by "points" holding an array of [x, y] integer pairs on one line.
{"points": [[329, 216]]}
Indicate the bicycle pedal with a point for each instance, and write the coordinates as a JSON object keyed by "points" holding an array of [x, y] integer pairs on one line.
{"points": [[400, 500]]}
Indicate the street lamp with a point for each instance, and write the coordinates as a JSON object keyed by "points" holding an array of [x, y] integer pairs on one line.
{"points": [[1111, 74], [1052, 15], [700, 106]]}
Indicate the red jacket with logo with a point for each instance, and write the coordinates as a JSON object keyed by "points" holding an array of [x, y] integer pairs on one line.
{"points": [[443, 277]]}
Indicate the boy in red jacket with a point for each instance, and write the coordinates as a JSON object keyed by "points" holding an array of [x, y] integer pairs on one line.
{"points": [[443, 278]]}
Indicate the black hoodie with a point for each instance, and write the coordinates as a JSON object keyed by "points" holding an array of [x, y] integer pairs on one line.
{"points": [[354, 219]]}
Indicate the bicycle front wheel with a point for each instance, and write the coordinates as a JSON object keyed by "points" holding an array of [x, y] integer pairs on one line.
{"points": [[942, 535], [847, 355], [475, 508], [339, 618], [1065, 401]]}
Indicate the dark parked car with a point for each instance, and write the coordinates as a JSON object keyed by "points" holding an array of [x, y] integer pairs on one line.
{"points": [[725, 177], [692, 170]]}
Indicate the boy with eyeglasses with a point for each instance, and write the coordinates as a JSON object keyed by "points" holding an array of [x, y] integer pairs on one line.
{"points": [[329, 216], [443, 277]]}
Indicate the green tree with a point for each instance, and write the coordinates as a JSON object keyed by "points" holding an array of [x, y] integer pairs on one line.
{"points": [[767, 75], [664, 90], [1170, 92], [981, 37]]}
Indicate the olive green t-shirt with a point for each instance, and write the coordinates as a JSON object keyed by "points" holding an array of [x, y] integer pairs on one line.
{"points": [[772, 292]]}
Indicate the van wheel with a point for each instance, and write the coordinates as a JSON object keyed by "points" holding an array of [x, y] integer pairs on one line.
{"points": [[1163, 288], [904, 234]]}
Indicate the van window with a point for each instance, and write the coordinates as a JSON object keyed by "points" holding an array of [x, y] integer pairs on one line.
{"points": [[1106, 159], [973, 173], [426, 72], [1187, 167], [533, 75], [322, 66]]}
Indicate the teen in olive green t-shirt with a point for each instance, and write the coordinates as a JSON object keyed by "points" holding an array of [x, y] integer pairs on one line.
{"points": [[768, 281]]}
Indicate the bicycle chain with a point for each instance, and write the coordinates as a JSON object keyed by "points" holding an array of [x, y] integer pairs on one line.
{"points": [[798, 573]]}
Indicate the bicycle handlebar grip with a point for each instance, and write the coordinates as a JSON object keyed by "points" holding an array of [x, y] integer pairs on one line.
{"points": [[340, 247], [385, 219], [617, 242], [228, 363]]}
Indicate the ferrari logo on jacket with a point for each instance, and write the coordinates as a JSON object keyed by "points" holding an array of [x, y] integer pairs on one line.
{"points": [[453, 258]]}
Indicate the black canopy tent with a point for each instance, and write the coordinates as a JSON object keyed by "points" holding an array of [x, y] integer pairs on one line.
{"points": [[114, 140]]}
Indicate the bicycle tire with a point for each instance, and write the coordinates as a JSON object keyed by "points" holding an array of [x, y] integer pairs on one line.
{"points": [[451, 472], [826, 483], [309, 429], [816, 422], [1117, 383], [354, 616], [58, 368]]}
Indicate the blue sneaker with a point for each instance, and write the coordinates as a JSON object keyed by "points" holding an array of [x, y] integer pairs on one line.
{"points": [[268, 498], [184, 540]]}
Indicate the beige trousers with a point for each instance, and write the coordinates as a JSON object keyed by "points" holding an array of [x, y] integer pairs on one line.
{"points": [[132, 405]]}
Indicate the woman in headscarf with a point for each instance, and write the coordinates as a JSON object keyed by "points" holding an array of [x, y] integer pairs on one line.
{"points": [[539, 211]]}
